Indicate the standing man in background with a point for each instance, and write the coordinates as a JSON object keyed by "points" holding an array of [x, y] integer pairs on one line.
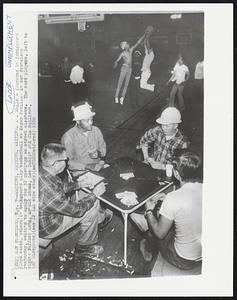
{"points": [[135, 79], [126, 69], [179, 77], [199, 76], [147, 61]]}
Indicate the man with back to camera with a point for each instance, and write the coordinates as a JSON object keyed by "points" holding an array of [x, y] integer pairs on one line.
{"points": [[57, 212], [85, 147], [135, 79], [176, 229], [166, 138]]}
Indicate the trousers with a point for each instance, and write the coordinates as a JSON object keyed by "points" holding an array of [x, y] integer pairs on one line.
{"points": [[177, 88], [165, 246], [124, 76], [87, 231], [143, 83], [167, 249]]}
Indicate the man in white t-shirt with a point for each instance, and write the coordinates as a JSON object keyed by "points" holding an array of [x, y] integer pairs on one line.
{"points": [[178, 224], [199, 76], [179, 77]]}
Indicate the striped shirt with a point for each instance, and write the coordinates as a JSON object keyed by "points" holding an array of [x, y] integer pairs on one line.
{"points": [[163, 148], [78, 146]]}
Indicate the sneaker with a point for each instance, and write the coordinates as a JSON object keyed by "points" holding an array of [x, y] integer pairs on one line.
{"points": [[116, 100], [88, 249], [147, 255], [121, 100], [107, 220]]}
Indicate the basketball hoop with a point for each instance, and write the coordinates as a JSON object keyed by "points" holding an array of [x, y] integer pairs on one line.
{"points": [[81, 26]]}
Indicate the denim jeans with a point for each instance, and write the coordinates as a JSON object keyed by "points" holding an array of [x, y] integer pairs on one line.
{"points": [[165, 246], [167, 249]]}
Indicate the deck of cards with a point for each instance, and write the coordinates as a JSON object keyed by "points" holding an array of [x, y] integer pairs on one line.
{"points": [[127, 198]]}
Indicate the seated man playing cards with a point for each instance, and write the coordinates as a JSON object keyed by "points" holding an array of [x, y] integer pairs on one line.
{"points": [[58, 212], [176, 229]]}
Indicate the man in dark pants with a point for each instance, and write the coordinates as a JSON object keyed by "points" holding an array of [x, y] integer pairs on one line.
{"points": [[135, 80]]}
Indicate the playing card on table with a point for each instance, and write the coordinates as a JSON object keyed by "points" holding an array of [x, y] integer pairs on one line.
{"points": [[127, 198], [126, 176]]}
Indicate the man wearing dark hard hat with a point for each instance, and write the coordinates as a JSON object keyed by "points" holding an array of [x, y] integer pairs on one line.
{"points": [[166, 138]]}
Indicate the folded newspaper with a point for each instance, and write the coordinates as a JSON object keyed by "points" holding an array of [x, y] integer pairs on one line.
{"points": [[127, 198], [91, 177]]}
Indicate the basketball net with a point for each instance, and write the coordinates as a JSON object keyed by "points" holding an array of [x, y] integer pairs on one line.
{"points": [[81, 26]]}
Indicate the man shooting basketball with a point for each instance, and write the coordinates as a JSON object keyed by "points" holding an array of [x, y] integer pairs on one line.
{"points": [[126, 69]]}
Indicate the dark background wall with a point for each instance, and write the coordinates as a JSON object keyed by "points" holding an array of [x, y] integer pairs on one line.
{"points": [[100, 40]]}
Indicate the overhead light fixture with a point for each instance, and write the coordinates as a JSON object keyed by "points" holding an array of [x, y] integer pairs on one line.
{"points": [[72, 18], [176, 16]]}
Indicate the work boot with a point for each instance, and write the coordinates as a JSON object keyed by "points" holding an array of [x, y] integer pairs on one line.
{"points": [[108, 217]]}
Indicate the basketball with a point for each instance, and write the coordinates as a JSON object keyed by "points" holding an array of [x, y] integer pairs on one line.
{"points": [[149, 29]]}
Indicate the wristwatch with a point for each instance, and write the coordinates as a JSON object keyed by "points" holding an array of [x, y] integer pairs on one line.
{"points": [[147, 211]]}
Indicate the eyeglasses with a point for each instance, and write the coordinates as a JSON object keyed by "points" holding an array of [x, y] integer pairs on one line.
{"points": [[58, 160]]}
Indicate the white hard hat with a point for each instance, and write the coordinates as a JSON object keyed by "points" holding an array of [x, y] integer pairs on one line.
{"points": [[170, 115], [82, 112]]}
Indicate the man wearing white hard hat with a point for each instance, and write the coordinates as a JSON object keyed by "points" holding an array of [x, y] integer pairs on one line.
{"points": [[166, 138], [85, 146]]}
